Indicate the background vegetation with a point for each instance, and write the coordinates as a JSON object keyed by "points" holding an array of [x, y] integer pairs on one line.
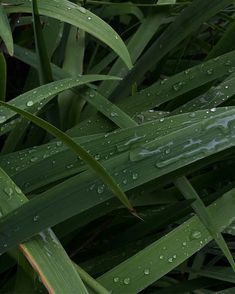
{"points": [[117, 146]]}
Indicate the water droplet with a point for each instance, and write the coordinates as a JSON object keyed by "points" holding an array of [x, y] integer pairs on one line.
{"points": [[146, 271], [2, 119], [178, 86], [100, 189], [82, 9], [196, 235], [33, 159], [213, 109], [184, 243], [161, 257], [8, 191], [89, 18], [170, 259], [116, 279], [29, 103], [210, 71], [18, 190], [126, 281], [35, 218], [135, 176]]}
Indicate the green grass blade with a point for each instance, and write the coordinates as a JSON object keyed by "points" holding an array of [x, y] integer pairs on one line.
{"points": [[31, 100], [190, 18], [44, 252], [44, 69], [3, 75], [94, 194], [94, 165], [5, 31], [162, 256], [78, 16], [189, 193]]}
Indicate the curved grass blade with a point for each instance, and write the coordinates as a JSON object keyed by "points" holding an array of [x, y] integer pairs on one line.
{"points": [[190, 19], [95, 200], [189, 193], [31, 100], [93, 164], [5, 31], [167, 253], [77, 16], [44, 252]]}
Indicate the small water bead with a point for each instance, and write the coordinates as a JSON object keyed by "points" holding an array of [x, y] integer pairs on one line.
{"points": [[161, 257], [89, 18], [126, 281], [170, 259], [210, 71], [213, 109], [18, 190], [35, 218], [100, 189], [33, 159], [113, 114], [8, 191], [116, 37], [29, 103], [82, 9], [2, 119], [147, 271], [97, 156], [116, 279], [124, 181], [196, 235], [135, 176], [184, 243], [178, 86]]}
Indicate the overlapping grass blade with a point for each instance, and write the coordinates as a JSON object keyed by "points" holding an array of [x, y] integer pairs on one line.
{"points": [[93, 164], [31, 100], [168, 252], [189, 193], [5, 31], [44, 252], [78, 16], [64, 195], [190, 18]]}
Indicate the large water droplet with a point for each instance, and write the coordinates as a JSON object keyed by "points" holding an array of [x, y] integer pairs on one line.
{"points": [[196, 235], [126, 281], [116, 279], [147, 271], [29, 103]]}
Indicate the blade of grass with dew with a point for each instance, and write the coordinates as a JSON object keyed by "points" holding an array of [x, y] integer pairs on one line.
{"points": [[78, 16], [44, 252], [31, 100], [3, 80], [169, 89], [214, 97], [44, 69], [189, 193], [93, 164], [5, 31], [167, 253], [64, 195], [190, 18], [66, 163]]}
